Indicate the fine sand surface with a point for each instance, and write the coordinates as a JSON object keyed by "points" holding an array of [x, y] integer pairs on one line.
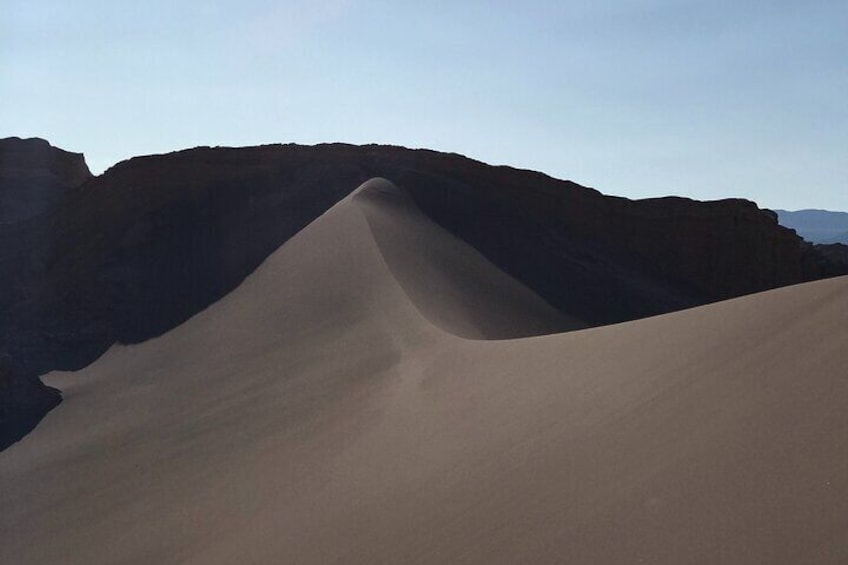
{"points": [[333, 410]]}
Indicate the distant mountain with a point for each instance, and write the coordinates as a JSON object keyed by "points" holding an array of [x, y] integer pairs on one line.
{"points": [[128, 255], [838, 238], [816, 226]]}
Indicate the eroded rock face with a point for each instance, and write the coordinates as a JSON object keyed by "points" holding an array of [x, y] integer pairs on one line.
{"points": [[132, 253], [156, 239], [610, 259], [136, 251], [834, 257], [34, 176], [23, 402]]}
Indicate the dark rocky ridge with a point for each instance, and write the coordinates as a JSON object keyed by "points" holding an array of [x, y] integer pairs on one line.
{"points": [[833, 257], [34, 175], [132, 253], [23, 402], [609, 259]]}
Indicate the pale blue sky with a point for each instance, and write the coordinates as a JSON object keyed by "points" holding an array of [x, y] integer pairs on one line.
{"points": [[634, 97]]}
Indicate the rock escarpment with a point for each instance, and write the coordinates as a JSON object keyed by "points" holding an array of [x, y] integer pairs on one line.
{"points": [[34, 175], [132, 253], [833, 258], [23, 402], [609, 259]]}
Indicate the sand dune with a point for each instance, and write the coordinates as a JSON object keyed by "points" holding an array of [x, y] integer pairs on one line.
{"points": [[452, 285], [332, 410]]}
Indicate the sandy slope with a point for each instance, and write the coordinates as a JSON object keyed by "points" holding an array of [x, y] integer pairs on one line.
{"points": [[326, 412]]}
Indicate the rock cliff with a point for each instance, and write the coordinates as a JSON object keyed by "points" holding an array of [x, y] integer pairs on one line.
{"points": [[34, 175], [132, 253]]}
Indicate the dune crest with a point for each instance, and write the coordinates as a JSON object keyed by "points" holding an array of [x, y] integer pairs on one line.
{"points": [[319, 414], [452, 284]]}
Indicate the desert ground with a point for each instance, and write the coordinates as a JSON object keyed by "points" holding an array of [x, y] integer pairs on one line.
{"points": [[378, 392]]}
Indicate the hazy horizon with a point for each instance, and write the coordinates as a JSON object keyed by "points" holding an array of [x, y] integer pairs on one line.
{"points": [[635, 98]]}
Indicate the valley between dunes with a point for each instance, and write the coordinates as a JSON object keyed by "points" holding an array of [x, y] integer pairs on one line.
{"points": [[378, 392]]}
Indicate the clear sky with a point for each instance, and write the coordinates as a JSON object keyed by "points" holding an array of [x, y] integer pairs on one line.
{"points": [[707, 99]]}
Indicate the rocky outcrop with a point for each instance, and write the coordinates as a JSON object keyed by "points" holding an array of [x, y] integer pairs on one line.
{"points": [[23, 402], [609, 259], [132, 253], [34, 176], [154, 240], [833, 256]]}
